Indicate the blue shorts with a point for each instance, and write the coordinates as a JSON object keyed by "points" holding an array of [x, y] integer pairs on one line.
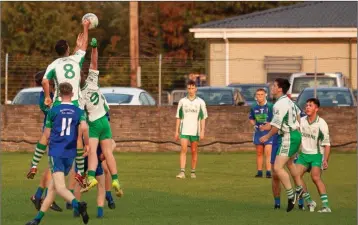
{"points": [[276, 141], [58, 164], [258, 135]]}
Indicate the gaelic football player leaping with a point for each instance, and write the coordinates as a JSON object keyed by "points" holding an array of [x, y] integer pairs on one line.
{"points": [[64, 69], [190, 126], [96, 106]]}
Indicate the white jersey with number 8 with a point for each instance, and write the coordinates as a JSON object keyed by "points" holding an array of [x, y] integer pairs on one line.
{"points": [[66, 69]]}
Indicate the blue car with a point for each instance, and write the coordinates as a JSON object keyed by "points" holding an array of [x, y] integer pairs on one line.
{"points": [[249, 90], [328, 97]]}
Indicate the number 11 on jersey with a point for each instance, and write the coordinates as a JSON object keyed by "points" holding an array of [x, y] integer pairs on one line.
{"points": [[66, 126]]}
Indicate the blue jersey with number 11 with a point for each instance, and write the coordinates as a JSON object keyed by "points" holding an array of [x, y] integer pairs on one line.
{"points": [[63, 121]]}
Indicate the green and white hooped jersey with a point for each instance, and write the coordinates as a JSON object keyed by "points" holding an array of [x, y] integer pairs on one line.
{"points": [[66, 69], [314, 136], [92, 99], [285, 115], [191, 112]]}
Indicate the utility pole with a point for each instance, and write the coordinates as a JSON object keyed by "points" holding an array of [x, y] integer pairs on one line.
{"points": [[134, 41]]}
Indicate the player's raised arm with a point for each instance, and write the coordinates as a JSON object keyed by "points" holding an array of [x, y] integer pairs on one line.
{"points": [[79, 42], [86, 24], [94, 55]]}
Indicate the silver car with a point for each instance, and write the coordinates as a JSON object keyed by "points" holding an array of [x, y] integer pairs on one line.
{"points": [[127, 96], [113, 95], [27, 96], [300, 81]]}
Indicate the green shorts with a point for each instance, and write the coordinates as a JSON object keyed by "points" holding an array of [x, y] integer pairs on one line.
{"points": [[57, 102], [100, 129], [308, 160], [191, 138], [290, 144]]}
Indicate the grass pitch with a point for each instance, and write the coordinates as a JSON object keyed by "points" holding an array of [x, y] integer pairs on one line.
{"points": [[225, 192]]}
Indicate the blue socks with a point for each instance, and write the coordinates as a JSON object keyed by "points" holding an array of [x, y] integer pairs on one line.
{"points": [[39, 216], [109, 196], [259, 172], [277, 201], [39, 192], [301, 201], [99, 211], [75, 205]]}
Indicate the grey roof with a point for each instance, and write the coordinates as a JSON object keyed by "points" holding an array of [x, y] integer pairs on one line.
{"points": [[307, 14]]}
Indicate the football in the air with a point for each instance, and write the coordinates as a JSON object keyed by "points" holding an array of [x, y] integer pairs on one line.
{"points": [[92, 18]]}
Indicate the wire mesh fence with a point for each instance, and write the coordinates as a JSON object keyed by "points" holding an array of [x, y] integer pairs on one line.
{"points": [[156, 76]]}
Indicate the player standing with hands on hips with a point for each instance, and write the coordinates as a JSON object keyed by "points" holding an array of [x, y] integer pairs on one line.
{"points": [[190, 126]]}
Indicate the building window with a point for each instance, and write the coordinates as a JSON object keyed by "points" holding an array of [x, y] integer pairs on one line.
{"points": [[282, 66], [272, 76]]}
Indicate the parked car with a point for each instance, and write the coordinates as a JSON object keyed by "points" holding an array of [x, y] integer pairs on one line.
{"points": [[300, 81], [249, 91], [127, 96], [221, 96], [113, 95], [27, 96], [328, 96], [176, 95]]}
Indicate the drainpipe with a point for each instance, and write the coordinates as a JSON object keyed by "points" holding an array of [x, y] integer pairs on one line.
{"points": [[227, 58]]}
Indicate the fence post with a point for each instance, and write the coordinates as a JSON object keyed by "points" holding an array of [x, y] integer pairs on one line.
{"points": [[315, 76], [6, 77], [160, 81], [139, 77]]}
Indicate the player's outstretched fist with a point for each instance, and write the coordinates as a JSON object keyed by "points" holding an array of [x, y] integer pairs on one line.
{"points": [[86, 23], [94, 43]]}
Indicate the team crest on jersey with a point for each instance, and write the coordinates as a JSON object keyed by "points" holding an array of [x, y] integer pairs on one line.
{"points": [[277, 112], [191, 109]]}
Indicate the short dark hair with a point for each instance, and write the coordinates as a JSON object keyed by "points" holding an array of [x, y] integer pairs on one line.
{"points": [[61, 47], [38, 77], [191, 83], [284, 84], [314, 101], [65, 89], [261, 89]]}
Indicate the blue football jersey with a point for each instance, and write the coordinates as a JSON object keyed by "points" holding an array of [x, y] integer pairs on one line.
{"points": [[63, 121], [261, 114]]}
